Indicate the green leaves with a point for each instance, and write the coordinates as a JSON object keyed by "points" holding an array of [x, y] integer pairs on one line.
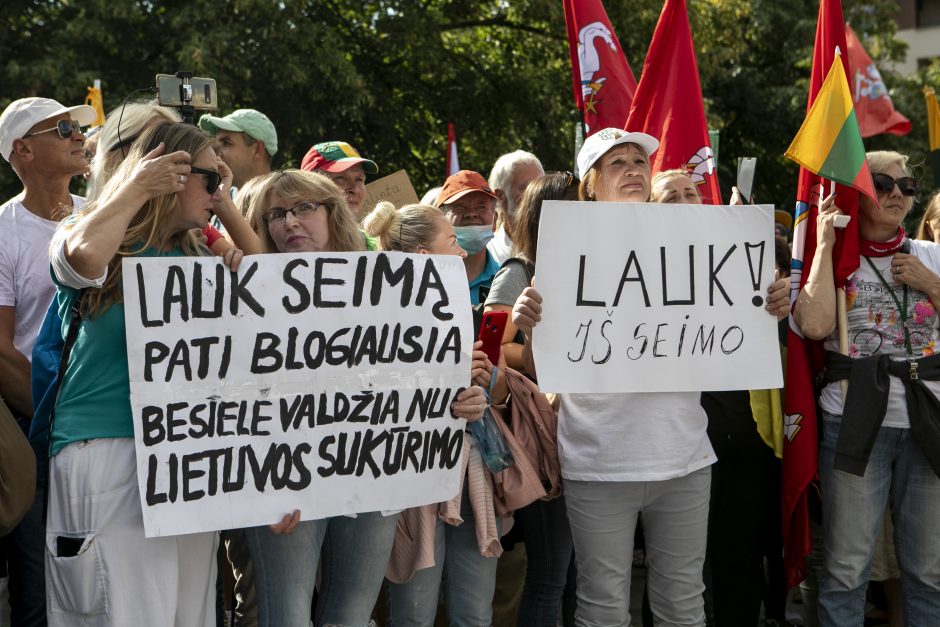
{"points": [[388, 75]]}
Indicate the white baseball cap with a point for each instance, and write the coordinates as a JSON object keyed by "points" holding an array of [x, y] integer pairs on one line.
{"points": [[597, 145], [25, 113]]}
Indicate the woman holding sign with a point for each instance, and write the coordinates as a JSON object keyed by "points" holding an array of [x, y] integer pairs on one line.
{"points": [[100, 569], [627, 453], [462, 536], [881, 444], [299, 211]]}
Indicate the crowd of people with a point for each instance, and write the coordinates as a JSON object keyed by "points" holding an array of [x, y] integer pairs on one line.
{"points": [[684, 483]]}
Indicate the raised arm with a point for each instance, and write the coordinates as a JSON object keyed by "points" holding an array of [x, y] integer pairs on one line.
{"points": [[90, 246], [525, 315], [236, 226], [815, 310]]}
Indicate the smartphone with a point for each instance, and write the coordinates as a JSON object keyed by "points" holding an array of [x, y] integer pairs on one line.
{"points": [[67, 546], [491, 333], [203, 95]]}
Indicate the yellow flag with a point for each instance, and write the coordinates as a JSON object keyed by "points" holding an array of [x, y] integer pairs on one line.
{"points": [[933, 118], [94, 99]]}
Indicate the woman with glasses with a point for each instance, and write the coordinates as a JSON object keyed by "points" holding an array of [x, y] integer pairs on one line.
{"points": [[100, 568], [304, 212], [881, 442], [545, 528], [460, 543]]}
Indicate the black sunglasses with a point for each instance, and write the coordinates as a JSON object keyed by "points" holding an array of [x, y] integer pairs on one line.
{"points": [[213, 179], [66, 129], [884, 184]]}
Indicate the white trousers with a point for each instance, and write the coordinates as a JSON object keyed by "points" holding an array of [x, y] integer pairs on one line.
{"points": [[603, 516], [100, 568]]}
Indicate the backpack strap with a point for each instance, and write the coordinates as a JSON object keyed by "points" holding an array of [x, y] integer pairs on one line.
{"points": [[70, 337]]}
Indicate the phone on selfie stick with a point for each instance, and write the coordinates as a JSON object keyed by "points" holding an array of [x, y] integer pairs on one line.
{"points": [[187, 93]]}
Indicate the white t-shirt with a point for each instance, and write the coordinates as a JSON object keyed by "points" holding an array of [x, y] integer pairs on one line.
{"points": [[24, 268], [632, 437], [875, 327], [500, 246]]}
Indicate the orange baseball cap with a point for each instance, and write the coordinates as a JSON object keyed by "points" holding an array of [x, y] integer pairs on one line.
{"points": [[459, 185]]}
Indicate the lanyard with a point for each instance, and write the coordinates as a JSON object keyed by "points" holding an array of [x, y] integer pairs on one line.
{"points": [[902, 308]]}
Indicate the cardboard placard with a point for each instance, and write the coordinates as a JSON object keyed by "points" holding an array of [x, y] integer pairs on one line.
{"points": [[396, 188]]}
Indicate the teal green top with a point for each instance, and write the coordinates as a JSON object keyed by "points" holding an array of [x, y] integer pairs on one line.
{"points": [[372, 243], [94, 400]]}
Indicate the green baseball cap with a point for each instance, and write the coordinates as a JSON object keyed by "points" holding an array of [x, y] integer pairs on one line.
{"points": [[248, 121]]}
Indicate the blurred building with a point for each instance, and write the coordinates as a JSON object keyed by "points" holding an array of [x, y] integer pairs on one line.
{"points": [[919, 27]]}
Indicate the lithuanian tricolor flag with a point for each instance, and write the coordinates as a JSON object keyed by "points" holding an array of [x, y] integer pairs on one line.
{"points": [[933, 128], [829, 143]]}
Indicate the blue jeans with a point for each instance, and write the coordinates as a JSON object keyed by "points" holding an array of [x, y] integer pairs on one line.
{"points": [[548, 548], [355, 555], [469, 580], [853, 512]]}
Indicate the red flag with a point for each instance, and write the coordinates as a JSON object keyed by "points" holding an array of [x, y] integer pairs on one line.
{"points": [[804, 358], [453, 166], [873, 106], [603, 81], [668, 103]]}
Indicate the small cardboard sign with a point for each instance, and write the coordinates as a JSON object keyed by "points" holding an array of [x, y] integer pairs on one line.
{"points": [[396, 188]]}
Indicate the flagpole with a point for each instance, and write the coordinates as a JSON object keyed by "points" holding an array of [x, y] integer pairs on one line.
{"points": [[842, 313]]}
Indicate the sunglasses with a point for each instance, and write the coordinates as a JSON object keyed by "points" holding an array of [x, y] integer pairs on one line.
{"points": [[213, 179], [66, 129], [278, 215], [884, 184]]}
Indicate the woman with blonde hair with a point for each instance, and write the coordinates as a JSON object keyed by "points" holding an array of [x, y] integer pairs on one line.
{"points": [[294, 211], [462, 540], [880, 444], [320, 220], [929, 227], [167, 186], [122, 128]]}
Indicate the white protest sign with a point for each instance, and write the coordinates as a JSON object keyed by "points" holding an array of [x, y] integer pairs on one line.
{"points": [[644, 297], [318, 382]]}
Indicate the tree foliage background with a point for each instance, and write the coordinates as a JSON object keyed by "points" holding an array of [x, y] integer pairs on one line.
{"points": [[388, 75]]}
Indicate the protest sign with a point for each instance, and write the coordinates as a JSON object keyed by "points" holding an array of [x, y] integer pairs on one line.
{"points": [[655, 298], [395, 188], [318, 382]]}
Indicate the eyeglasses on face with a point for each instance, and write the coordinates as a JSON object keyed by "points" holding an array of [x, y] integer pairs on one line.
{"points": [[884, 184], [213, 179], [278, 215], [66, 129]]}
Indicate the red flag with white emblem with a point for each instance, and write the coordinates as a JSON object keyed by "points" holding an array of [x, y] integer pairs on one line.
{"points": [[668, 103], [873, 107], [603, 81]]}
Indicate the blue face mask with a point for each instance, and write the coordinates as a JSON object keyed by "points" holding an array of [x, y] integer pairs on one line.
{"points": [[473, 239]]}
